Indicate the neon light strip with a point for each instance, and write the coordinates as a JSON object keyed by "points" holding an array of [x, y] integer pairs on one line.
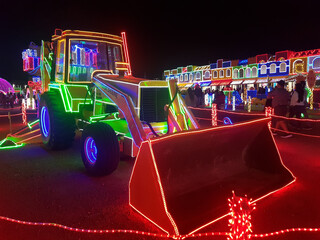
{"points": [[297, 119], [27, 139], [89, 40], [32, 123], [136, 232], [161, 190], [207, 129], [301, 134], [82, 230], [126, 52], [141, 139]]}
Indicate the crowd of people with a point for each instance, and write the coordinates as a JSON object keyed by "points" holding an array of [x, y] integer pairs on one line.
{"points": [[284, 103], [195, 97], [7, 100]]}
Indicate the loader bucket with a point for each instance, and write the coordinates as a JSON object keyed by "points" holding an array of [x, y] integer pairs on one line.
{"points": [[181, 182]]}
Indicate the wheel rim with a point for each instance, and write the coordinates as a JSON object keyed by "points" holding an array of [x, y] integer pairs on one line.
{"points": [[91, 150], [45, 121]]}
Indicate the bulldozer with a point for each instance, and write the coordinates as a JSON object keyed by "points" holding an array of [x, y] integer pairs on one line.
{"points": [[182, 173]]}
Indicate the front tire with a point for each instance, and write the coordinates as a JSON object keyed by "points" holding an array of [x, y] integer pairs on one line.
{"points": [[100, 149], [57, 127]]}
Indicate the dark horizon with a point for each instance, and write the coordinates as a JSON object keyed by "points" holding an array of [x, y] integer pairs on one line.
{"points": [[164, 36]]}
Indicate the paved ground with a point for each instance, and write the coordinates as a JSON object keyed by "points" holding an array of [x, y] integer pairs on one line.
{"points": [[44, 186]]}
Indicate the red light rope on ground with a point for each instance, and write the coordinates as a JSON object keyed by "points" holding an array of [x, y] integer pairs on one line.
{"points": [[82, 230], [285, 231], [136, 232]]}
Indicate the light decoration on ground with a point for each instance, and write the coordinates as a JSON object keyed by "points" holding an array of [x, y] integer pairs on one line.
{"points": [[214, 115], [24, 112], [9, 144], [233, 103], [227, 121], [240, 221], [249, 104], [268, 111]]}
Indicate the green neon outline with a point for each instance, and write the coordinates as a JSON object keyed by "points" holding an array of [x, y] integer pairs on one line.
{"points": [[67, 99], [10, 147], [30, 124]]}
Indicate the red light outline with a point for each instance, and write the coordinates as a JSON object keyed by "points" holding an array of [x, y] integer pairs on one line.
{"points": [[151, 141], [161, 191]]}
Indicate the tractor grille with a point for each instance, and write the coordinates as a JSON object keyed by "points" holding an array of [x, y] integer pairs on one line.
{"points": [[152, 104]]}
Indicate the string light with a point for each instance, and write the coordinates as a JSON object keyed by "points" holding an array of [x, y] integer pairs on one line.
{"points": [[240, 221], [214, 115], [24, 112]]}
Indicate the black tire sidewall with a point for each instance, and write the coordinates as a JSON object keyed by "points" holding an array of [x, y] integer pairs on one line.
{"points": [[45, 140], [62, 124], [108, 153]]}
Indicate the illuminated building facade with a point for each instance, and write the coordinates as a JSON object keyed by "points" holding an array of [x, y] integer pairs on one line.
{"points": [[260, 70]]}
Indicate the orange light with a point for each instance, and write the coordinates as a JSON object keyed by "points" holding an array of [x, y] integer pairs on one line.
{"points": [[126, 52]]}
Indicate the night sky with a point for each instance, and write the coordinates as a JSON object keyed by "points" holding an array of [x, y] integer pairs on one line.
{"points": [[163, 35]]}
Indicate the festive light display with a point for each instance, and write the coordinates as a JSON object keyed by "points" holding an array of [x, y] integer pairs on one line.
{"points": [[153, 187], [126, 52], [214, 115], [241, 208], [31, 60], [249, 104], [24, 112], [268, 111], [9, 144], [240, 221], [227, 121]]}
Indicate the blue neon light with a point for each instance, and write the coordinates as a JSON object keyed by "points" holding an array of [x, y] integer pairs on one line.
{"points": [[45, 121], [227, 121], [91, 150]]}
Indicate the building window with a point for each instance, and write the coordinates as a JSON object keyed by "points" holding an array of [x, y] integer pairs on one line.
{"points": [[298, 66], [198, 76], [235, 73], [248, 72], [263, 69], [221, 74], [241, 73], [316, 63], [207, 75], [215, 74], [181, 78], [254, 72], [273, 68], [186, 77], [228, 73], [283, 67], [191, 77]]}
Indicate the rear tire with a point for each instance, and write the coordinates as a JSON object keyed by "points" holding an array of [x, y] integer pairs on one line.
{"points": [[100, 149], [57, 127]]}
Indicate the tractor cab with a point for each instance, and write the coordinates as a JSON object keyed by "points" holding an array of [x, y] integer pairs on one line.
{"points": [[78, 54]]}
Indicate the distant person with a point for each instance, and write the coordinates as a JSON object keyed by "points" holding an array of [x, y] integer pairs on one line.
{"points": [[11, 100], [199, 94], [190, 98], [219, 99], [297, 102], [280, 102]]}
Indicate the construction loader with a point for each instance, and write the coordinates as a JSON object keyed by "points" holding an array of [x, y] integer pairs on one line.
{"points": [[180, 171]]}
